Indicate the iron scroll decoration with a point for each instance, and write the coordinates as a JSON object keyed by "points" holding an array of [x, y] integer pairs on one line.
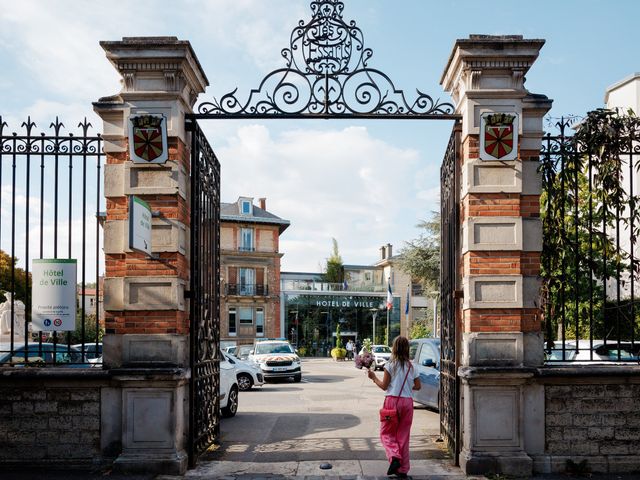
{"points": [[326, 76]]}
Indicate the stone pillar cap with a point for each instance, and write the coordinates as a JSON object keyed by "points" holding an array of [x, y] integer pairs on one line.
{"points": [[490, 52], [152, 54]]}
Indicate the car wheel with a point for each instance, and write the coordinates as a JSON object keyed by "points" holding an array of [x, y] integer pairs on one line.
{"points": [[297, 378], [244, 382], [232, 404]]}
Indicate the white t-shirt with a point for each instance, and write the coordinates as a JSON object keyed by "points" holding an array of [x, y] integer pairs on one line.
{"points": [[398, 373]]}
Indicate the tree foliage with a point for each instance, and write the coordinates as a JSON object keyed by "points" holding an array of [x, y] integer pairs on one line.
{"points": [[420, 258], [91, 330], [419, 329], [21, 282], [334, 268]]}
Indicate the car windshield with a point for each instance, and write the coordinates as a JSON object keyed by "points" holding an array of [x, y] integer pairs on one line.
{"points": [[267, 348], [381, 349]]}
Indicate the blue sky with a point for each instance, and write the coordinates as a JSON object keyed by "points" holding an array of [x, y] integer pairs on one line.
{"points": [[364, 183]]}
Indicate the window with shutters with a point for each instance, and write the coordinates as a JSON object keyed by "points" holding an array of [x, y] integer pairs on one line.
{"points": [[246, 240], [232, 322], [260, 322], [247, 281]]}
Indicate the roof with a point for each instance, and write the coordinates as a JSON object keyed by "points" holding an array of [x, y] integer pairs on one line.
{"points": [[229, 212]]}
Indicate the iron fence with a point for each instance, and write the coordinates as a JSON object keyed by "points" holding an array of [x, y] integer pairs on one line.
{"points": [[590, 252], [50, 208]]}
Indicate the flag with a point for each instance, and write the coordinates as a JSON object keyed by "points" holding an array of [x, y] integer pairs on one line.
{"points": [[389, 297], [406, 307]]}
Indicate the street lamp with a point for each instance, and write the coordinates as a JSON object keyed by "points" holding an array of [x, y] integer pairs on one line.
{"points": [[374, 311]]}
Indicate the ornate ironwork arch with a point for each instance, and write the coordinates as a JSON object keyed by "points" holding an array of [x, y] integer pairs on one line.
{"points": [[326, 76]]}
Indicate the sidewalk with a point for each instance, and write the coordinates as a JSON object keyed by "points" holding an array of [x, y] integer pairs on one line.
{"points": [[343, 469]]}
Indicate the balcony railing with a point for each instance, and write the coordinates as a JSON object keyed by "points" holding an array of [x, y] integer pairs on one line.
{"points": [[246, 248], [246, 289]]}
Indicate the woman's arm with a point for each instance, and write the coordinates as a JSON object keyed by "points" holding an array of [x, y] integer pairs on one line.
{"points": [[386, 379]]}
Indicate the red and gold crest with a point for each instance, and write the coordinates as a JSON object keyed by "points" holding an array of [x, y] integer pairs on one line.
{"points": [[499, 136], [148, 139]]}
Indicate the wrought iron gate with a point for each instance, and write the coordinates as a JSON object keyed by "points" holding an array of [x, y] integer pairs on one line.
{"points": [[204, 426], [326, 74], [449, 254]]}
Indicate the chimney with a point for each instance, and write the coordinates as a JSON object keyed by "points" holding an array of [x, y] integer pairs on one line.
{"points": [[382, 253], [263, 203], [389, 250]]}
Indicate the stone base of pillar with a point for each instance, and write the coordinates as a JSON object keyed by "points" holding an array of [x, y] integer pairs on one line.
{"points": [[166, 464], [495, 427], [149, 421], [517, 464]]}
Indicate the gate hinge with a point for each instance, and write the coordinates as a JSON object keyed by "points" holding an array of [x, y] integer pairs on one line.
{"points": [[458, 294], [187, 294]]}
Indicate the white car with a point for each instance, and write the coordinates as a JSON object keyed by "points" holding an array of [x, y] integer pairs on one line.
{"points": [[277, 359], [247, 374], [228, 389], [381, 355]]}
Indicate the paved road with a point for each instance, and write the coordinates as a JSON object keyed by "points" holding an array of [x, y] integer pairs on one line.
{"points": [[331, 416]]}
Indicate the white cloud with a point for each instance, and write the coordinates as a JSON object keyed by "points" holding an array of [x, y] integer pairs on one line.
{"points": [[329, 183]]}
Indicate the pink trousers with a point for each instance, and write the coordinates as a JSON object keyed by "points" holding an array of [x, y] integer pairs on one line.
{"points": [[396, 440]]}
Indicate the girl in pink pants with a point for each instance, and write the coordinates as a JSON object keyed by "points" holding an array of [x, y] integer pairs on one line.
{"points": [[400, 378]]}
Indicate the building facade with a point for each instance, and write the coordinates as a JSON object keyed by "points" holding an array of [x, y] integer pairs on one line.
{"points": [[250, 271], [624, 95], [311, 309]]}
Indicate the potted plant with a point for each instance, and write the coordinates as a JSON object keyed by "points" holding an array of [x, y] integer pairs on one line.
{"points": [[338, 353]]}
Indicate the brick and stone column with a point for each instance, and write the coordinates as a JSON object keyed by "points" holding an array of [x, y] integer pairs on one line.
{"points": [[146, 344], [502, 410]]}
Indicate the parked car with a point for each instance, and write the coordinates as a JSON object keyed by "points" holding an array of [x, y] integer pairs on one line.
{"points": [[228, 390], [425, 357], [92, 351], [59, 355], [277, 359], [232, 349], [381, 355], [247, 374], [581, 351]]}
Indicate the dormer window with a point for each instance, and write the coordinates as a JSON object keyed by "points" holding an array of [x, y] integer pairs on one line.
{"points": [[245, 207]]}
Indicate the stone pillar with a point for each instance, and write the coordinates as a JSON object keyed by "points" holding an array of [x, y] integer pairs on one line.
{"points": [[502, 410], [146, 344]]}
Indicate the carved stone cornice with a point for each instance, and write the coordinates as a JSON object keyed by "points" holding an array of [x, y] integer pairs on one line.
{"points": [[494, 59], [157, 64]]}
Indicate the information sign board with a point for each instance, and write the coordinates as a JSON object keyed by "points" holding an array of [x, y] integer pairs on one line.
{"points": [[53, 294], [139, 225]]}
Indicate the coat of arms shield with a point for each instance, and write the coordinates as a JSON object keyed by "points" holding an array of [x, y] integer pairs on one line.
{"points": [[148, 139], [499, 136]]}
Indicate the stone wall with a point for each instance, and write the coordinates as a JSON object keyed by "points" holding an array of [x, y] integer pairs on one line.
{"points": [[51, 418], [591, 416]]}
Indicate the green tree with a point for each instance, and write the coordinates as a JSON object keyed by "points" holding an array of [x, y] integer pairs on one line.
{"points": [[21, 282], [419, 329], [91, 330], [420, 257], [334, 268], [338, 338]]}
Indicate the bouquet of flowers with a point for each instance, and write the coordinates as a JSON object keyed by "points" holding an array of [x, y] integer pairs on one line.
{"points": [[365, 360]]}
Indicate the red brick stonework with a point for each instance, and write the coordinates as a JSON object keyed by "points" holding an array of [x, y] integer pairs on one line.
{"points": [[135, 264]]}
